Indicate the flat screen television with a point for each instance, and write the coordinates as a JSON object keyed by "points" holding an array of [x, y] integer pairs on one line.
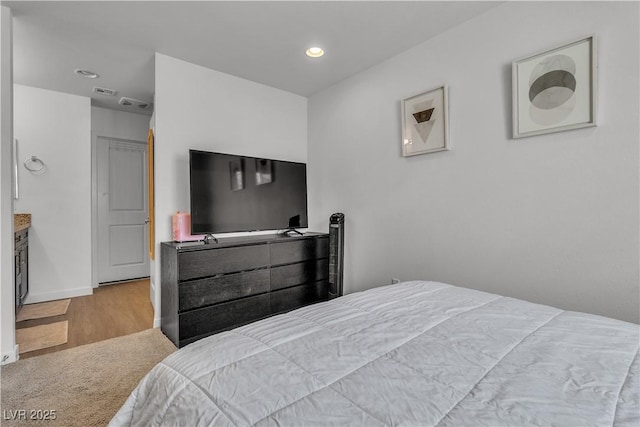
{"points": [[231, 193]]}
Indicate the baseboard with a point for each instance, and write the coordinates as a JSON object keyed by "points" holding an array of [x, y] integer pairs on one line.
{"points": [[52, 296], [11, 356], [152, 293], [154, 302]]}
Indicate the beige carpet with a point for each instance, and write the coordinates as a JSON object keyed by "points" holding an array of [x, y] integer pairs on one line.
{"points": [[43, 309], [42, 336], [85, 385]]}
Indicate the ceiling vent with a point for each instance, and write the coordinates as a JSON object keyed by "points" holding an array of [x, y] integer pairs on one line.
{"points": [[104, 91], [135, 103]]}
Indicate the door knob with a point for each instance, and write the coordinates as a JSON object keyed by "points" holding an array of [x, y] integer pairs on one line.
{"points": [[147, 220]]}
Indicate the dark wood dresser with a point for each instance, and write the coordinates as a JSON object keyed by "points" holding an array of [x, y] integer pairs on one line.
{"points": [[208, 288]]}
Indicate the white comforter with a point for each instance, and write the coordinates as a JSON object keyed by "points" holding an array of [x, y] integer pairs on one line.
{"points": [[416, 353]]}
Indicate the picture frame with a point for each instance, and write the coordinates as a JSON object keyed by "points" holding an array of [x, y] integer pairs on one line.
{"points": [[555, 90], [425, 122]]}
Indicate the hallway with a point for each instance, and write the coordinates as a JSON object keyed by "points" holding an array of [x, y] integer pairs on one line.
{"points": [[112, 311]]}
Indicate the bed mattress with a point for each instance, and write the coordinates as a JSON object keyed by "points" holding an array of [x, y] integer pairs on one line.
{"points": [[415, 353]]}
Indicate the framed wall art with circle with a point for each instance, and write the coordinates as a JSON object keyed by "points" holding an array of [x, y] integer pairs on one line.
{"points": [[555, 90]]}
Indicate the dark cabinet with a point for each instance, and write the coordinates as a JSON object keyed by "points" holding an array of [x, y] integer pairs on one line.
{"points": [[210, 288], [21, 256]]}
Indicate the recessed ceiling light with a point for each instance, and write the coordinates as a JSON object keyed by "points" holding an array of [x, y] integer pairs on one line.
{"points": [[86, 73], [314, 52]]}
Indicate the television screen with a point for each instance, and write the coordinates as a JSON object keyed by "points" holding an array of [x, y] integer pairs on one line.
{"points": [[231, 193]]}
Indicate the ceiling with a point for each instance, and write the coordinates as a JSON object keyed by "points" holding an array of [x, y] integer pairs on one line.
{"points": [[262, 41]]}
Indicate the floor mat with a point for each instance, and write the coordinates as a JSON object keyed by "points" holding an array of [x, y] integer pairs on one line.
{"points": [[43, 336], [43, 309]]}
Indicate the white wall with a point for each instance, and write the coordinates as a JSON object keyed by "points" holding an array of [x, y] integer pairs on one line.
{"points": [[152, 266], [7, 285], [551, 219], [55, 127], [203, 109], [119, 124]]}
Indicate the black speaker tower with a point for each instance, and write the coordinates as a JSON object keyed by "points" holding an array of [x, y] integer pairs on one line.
{"points": [[336, 254]]}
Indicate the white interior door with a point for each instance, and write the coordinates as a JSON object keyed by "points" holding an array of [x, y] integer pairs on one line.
{"points": [[122, 210]]}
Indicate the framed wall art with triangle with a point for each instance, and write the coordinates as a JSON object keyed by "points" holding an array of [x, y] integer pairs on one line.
{"points": [[425, 123]]}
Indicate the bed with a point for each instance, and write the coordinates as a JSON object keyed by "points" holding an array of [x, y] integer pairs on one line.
{"points": [[414, 353]]}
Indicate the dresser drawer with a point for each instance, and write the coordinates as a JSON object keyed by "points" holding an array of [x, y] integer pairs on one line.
{"points": [[298, 296], [223, 316], [21, 235], [299, 250], [289, 275], [196, 264], [201, 292]]}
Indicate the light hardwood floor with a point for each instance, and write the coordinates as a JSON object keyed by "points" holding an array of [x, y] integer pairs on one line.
{"points": [[112, 311]]}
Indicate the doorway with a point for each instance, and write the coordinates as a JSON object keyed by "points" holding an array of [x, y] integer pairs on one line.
{"points": [[122, 210]]}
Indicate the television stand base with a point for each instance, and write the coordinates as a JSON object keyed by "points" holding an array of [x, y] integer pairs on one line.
{"points": [[209, 239], [290, 230]]}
